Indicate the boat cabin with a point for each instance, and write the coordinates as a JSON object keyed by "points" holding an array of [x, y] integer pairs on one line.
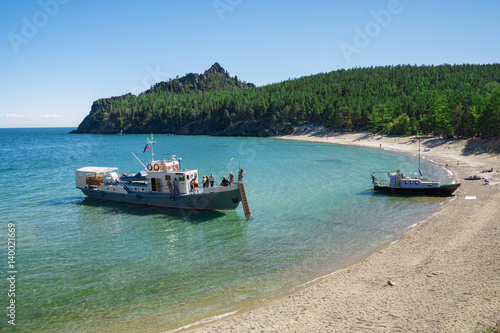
{"points": [[160, 172], [399, 180], [158, 180]]}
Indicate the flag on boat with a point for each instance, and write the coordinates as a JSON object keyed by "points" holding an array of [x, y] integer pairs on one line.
{"points": [[146, 148]]}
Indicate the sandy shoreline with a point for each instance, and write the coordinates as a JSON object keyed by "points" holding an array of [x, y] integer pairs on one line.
{"points": [[446, 271]]}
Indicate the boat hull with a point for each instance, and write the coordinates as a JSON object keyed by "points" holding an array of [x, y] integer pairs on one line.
{"points": [[442, 190], [227, 200]]}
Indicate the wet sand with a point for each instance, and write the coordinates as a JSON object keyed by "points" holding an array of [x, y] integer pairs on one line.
{"points": [[444, 275]]}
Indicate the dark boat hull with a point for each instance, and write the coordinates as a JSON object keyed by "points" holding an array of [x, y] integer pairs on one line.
{"points": [[443, 190], [228, 200]]}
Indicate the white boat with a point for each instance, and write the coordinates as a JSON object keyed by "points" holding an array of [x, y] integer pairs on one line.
{"points": [[161, 183]]}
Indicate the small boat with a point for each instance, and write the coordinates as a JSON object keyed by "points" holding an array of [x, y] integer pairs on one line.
{"points": [[473, 178], [401, 184], [161, 183]]}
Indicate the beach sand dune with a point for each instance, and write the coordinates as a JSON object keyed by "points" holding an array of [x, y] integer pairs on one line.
{"points": [[444, 276]]}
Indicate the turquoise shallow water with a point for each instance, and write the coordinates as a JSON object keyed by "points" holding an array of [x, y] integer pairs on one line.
{"points": [[89, 266]]}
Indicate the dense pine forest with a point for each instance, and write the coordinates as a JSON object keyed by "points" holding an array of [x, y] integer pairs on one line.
{"points": [[458, 100]]}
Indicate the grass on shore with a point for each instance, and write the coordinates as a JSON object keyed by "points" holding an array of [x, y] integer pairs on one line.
{"points": [[495, 329]]}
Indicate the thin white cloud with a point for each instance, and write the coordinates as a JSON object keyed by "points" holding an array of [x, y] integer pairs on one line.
{"points": [[29, 116], [16, 116]]}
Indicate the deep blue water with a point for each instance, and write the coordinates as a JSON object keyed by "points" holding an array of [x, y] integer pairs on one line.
{"points": [[85, 265]]}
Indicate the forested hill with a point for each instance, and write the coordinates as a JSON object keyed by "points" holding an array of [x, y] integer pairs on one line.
{"points": [[461, 100]]}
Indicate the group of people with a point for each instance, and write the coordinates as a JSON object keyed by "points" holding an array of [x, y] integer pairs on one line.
{"points": [[207, 181], [227, 182]]}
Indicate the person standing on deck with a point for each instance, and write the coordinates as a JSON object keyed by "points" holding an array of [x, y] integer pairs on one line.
{"points": [[169, 184], [195, 183], [240, 175], [212, 180], [176, 186]]}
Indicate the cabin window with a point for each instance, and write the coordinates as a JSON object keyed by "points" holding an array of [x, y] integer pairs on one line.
{"points": [[416, 182], [411, 182], [406, 182], [187, 177], [167, 177], [181, 178]]}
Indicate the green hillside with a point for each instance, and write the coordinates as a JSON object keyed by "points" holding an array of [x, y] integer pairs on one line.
{"points": [[461, 100]]}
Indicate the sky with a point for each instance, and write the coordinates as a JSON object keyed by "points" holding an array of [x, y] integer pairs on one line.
{"points": [[59, 56]]}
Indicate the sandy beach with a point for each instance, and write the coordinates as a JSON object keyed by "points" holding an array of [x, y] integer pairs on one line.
{"points": [[445, 273]]}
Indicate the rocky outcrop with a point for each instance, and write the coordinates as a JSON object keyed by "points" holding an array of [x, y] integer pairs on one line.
{"points": [[93, 123]]}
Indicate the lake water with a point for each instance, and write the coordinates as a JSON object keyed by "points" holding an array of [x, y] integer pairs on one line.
{"points": [[83, 265]]}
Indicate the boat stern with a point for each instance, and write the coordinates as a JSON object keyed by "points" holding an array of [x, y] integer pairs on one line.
{"points": [[89, 177]]}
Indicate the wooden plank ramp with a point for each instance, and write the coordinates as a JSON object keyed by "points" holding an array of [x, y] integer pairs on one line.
{"points": [[244, 200]]}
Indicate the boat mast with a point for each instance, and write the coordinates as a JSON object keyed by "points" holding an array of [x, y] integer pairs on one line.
{"points": [[151, 142], [419, 172]]}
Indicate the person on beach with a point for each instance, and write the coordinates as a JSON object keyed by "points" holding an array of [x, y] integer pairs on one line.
{"points": [[212, 180], [240, 175]]}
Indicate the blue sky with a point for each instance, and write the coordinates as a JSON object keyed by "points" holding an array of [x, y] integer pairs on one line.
{"points": [[58, 56]]}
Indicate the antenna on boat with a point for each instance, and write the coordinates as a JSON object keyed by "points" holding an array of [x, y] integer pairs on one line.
{"points": [[419, 172]]}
